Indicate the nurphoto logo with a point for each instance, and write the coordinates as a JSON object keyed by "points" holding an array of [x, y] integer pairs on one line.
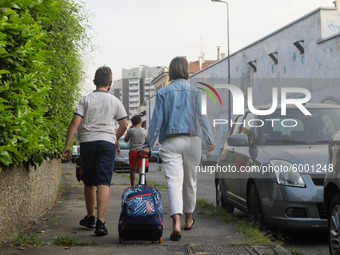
{"points": [[239, 98], [239, 102]]}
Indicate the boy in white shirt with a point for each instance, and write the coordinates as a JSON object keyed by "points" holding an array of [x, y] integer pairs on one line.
{"points": [[99, 112]]}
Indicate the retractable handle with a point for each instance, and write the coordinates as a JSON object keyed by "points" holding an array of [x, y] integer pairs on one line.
{"points": [[142, 180]]}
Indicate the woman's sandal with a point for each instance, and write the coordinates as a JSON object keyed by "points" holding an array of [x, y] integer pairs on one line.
{"points": [[175, 237], [193, 222]]}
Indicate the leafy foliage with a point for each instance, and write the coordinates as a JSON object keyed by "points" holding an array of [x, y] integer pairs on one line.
{"points": [[40, 71]]}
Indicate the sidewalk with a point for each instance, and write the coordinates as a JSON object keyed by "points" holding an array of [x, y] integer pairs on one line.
{"points": [[209, 235]]}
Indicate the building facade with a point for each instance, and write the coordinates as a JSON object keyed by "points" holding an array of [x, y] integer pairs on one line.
{"points": [[116, 89], [303, 54], [161, 80], [136, 86]]}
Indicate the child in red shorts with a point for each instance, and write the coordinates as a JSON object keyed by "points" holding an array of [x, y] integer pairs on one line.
{"points": [[136, 135]]}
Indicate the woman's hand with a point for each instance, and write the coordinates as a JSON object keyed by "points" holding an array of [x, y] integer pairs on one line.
{"points": [[66, 152], [210, 149], [144, 151]]}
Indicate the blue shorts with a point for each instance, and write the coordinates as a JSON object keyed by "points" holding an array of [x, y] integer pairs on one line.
{"points": [[98, 161]]}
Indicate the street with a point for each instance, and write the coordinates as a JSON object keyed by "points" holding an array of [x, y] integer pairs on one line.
{"points": [[308, 242]]}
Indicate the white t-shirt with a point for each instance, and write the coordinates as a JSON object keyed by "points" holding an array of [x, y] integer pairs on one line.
{"points": [[100, 111]]}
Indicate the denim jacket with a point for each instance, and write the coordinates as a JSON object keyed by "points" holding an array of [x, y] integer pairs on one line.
{"points": [[178, 111]]}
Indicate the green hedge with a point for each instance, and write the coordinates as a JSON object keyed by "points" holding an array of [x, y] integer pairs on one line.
{"points": [[40, 75]]}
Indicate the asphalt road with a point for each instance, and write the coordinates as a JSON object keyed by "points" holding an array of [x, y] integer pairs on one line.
{"points": [[301, 242]]}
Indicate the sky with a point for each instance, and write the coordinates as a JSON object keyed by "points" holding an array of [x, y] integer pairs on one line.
{"points": [[131, 33]]}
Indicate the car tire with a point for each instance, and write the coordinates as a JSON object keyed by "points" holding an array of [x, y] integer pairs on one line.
{"points": [[220, 200], [334, 225], [255, 210]]}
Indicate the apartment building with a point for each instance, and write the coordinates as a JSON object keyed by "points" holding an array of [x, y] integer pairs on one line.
{"points": [[135, 86]]}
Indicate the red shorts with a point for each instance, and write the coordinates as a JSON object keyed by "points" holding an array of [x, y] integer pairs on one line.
{"points": [[135, 161]]}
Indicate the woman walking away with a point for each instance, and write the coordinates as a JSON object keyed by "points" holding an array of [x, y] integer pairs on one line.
{"points": [[178, 122]]}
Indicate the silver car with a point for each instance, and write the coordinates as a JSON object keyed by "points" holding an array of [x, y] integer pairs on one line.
{"points": [[332, 195], [273, 167], [121, 162]]}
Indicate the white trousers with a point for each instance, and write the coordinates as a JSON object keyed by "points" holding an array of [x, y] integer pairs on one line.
{"points": [[180, 156]]}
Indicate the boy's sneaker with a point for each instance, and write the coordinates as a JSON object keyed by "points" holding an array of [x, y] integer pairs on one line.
{"points": [[100, 228], [88, 222]]}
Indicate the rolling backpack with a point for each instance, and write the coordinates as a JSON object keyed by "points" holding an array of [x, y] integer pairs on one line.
{"points": [[141, 216]]}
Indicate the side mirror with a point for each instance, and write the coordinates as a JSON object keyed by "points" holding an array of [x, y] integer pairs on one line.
{"points": [[238, 140]]}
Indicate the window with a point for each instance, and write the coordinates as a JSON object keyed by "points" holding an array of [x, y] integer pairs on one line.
{"points": [[301, 129], [236, 125], [248, 127]]}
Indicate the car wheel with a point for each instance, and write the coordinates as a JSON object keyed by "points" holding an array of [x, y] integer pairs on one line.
{"points": [[334, 225], [255, 210], [220, 199]]}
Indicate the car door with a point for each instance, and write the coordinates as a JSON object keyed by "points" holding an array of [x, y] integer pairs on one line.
{"points": [[240, 160]]}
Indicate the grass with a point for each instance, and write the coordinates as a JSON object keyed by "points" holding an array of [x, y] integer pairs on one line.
{"points": [[221, 213], [296, 252], [63, 186], [67, 241], [78, 185], [248, 228], [120, 184], [26, 240], [122, 175], [158, 186]]}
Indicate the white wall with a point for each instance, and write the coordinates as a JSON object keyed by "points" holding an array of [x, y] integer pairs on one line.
{"points": [[316, 70]]}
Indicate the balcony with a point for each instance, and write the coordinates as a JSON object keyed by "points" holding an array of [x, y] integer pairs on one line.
{"points": [[133, 89], [133, 105], [133, 94]]}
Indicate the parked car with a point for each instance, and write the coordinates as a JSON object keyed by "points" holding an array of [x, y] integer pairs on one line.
{"points": [[273, 167], [121, 162], [332, 195], [154, 157], [75, 153]]}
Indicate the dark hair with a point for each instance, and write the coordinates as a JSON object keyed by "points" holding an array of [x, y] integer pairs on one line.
{"points": [[103, 76], [136, 120], [178, 69]]}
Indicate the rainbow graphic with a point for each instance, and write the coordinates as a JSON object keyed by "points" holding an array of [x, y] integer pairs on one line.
{"points": [[330, 100], [209, 93]]}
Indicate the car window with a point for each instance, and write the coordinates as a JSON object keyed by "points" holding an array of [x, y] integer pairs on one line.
{"points": [[249, 125], [329, 127], [155, 148], [123, 144], [236, 125], [297, 128]]}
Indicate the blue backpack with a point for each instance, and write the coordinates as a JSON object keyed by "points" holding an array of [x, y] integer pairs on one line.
{"points": [[141, 205]]}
